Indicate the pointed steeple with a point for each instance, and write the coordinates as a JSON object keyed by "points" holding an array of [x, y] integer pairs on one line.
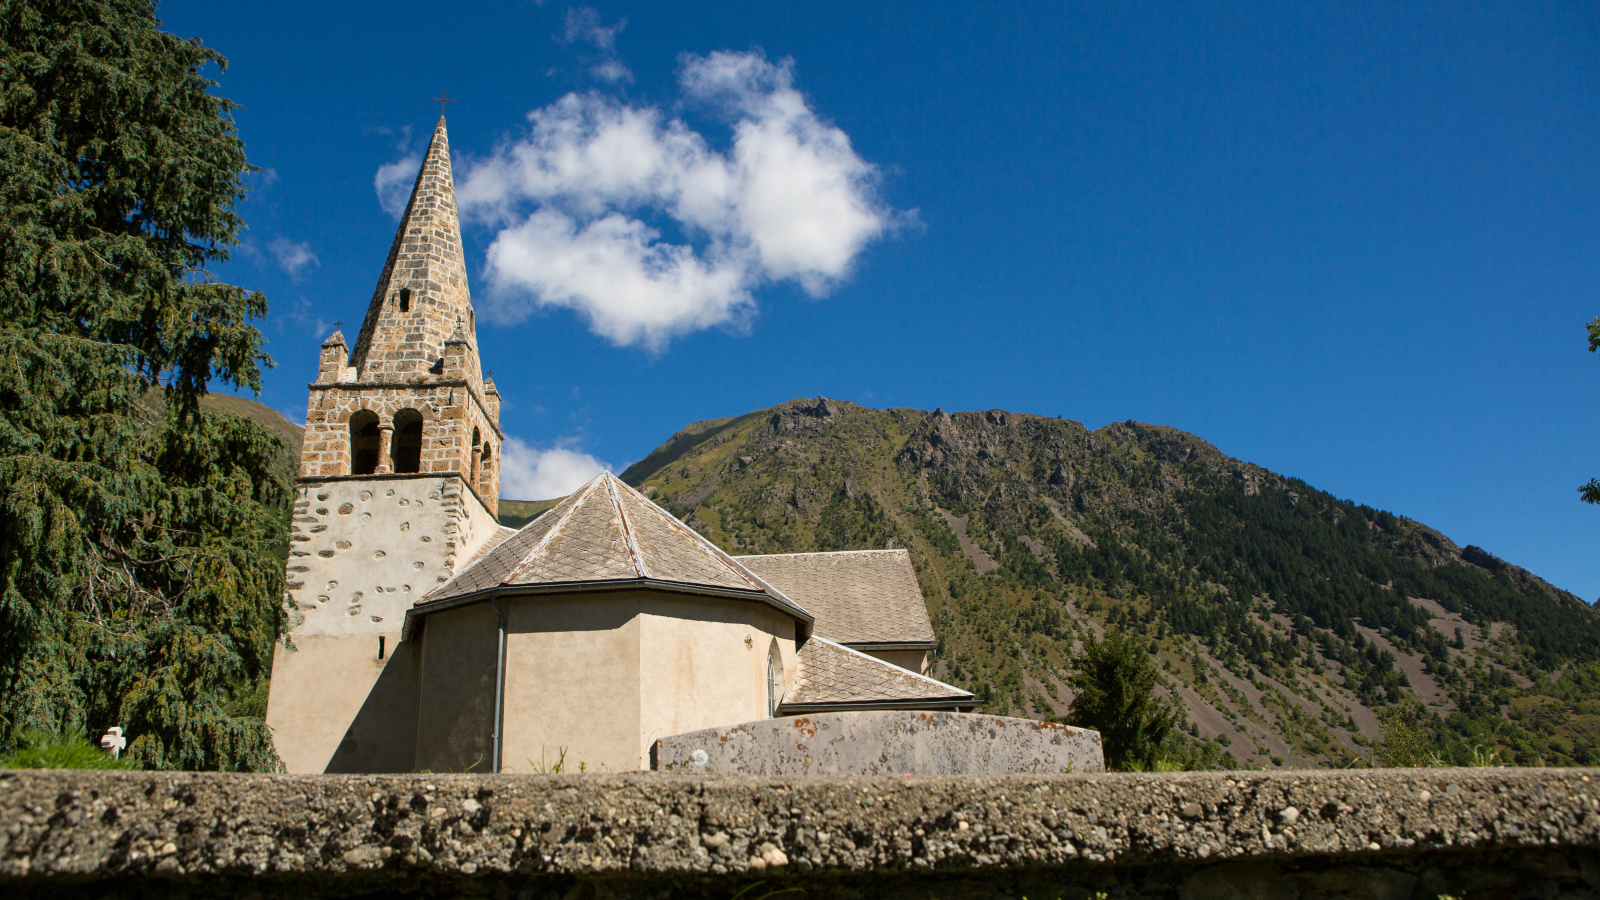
{"points": [[422, 293]]}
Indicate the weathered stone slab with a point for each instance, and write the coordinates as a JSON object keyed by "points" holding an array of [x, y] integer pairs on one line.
{"points": [[884, 742]]}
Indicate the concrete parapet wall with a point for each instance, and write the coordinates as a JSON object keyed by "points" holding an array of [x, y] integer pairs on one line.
{"points": [[1491, 833], [883, 742]]}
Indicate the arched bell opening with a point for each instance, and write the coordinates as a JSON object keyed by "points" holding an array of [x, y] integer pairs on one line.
{"points": [[485, 469], [407, 441], [364, 443], [476, 453]]}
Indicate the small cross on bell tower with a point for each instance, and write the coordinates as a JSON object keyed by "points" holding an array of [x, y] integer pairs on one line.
{"points": [[442, 100]]}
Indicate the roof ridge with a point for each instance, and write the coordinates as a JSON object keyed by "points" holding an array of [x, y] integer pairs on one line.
{"points": [[576, 501], [705, 544], [476, 561], [891, 665], [634, 553], [605, 531], [822, 553]]}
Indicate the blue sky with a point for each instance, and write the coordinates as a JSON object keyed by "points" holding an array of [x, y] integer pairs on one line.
{"points": [[1354, 244]]}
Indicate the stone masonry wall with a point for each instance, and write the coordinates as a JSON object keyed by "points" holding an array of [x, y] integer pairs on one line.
{"points": [[451, 413], [416, 350], [363, 551], [1488, 834]]}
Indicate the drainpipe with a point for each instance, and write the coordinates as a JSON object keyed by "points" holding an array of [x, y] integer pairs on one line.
{"points": [[499, 687]]}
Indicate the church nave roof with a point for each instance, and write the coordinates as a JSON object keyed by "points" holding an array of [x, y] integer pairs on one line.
{"points": [[860, 597], [608, 533]]}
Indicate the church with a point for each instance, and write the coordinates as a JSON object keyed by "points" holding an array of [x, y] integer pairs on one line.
{"points": [[423, 635]]}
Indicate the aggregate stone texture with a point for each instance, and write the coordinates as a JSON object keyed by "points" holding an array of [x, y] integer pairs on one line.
{"points": [[608, 532], [1410, 833], [858, 596], [884, 742], [831, 673]]}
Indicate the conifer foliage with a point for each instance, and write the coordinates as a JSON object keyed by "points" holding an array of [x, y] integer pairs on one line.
{"points": [[138, 583], [1115, 684]]}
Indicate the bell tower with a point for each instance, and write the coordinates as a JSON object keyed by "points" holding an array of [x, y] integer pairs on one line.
{"points": [[398, 487]]}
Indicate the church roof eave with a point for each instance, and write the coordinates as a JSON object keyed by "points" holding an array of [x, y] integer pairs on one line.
{"points": [[415, 614], [969, 704]]}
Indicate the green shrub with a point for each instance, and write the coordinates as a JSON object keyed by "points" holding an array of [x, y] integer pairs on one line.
{"points": [[1407, 741]]}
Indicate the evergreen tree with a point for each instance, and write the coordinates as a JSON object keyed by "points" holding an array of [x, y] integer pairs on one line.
{"points": [[1115, 684], [138, 583]]}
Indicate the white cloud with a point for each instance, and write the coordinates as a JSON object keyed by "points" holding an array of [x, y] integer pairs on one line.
{"points": [[529, 473], [293, 257], [612, 71], [304, 314], [583, 24], [788, 200], [393, 183]]}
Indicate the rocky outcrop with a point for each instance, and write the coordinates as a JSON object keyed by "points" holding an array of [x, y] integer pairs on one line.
{"points": [[799, 414]]}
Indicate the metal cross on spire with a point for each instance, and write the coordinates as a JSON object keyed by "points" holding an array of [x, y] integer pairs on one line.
{"points": [[442, 101]]}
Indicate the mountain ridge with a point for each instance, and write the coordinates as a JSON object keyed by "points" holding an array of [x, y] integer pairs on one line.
{"points": [[1447, 549], [1286, 621]]}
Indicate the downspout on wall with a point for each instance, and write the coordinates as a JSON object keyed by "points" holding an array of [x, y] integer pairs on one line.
{"points": [[499, 687]]}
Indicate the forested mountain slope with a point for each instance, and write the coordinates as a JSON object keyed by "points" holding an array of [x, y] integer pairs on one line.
{"points": [[1286, 621]]}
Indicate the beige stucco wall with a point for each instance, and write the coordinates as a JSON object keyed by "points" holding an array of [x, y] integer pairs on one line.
{"points": [[912, 660], [572, 681], [455, 704], [604, 675], [362, 553], [705, 663], [319, 686]]}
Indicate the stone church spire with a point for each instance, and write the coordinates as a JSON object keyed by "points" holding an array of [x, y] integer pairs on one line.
{"points": [[398, 488], [422, 292], [410, 398]]}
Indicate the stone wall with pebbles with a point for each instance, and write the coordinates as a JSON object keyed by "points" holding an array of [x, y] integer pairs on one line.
{"points": [[363, 552], [1393, 834]]}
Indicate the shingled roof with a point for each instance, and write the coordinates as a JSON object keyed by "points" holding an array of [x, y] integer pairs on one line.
{"points": [[607, 534], [860, 597], [834, 677]]}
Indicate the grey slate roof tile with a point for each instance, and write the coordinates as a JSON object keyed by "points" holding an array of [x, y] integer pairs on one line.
{"points": [[501, 532], [671, 551], [858, 596], [605, 531], [833, 673]]}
